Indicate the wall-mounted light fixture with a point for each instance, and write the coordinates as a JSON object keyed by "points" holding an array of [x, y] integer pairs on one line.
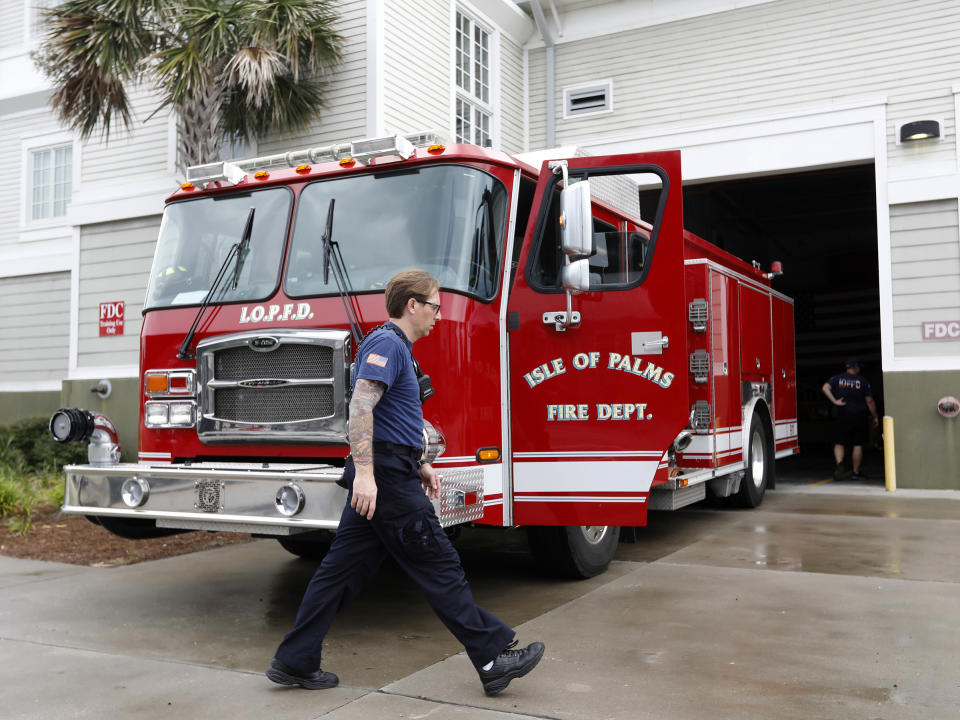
{"points": [[919, 130]]}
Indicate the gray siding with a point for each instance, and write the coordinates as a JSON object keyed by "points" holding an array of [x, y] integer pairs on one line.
{"points": [[417, 66], [11, 24], [115, 261], [511, 96], [36, 313], [925, 259], [12, 130], [757, 60], [345, 116]]}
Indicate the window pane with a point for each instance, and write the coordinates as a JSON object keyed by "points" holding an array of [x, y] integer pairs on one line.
{"points": [[464, 124], [379, 225], [196, 237], [41, 184]]}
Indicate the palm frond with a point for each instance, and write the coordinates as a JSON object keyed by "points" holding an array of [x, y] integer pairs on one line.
{"points": [[255, 70], [291, 105], [90, 51]]}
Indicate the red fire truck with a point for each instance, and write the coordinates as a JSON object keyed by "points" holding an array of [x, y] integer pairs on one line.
{"points": [[590, 364]]}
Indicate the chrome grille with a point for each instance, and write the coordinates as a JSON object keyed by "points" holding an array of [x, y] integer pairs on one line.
{"points": [[293, 361], [274, 386], [274, 404]]}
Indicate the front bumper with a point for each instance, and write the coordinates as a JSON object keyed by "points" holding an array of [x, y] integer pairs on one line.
{"points": [[240, 497]]}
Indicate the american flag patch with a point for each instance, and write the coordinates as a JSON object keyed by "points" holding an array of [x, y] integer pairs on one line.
{"points": [[378, 360]]}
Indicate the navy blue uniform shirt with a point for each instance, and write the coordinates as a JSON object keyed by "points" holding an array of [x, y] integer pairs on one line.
{"points": [[398, 417], [852, 389]]}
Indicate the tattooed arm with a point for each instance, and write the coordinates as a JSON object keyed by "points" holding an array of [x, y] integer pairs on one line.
{"points": [[366, 395]]}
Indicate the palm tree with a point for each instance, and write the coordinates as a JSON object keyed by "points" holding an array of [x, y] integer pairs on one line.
{"points": [[230, 69]]}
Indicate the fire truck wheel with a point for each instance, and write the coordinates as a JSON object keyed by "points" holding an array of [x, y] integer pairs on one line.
{"points": [[757, 475], [133, 528], [577, 551], [309, 545]]}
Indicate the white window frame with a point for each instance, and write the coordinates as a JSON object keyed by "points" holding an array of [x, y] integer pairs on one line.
{"points": [[55, 227], [492, 106]]}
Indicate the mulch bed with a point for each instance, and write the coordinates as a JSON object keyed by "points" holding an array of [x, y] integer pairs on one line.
{"points": [[75, 540]]}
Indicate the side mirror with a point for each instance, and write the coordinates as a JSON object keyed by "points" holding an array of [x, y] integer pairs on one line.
{"points": [[576, 276], [576, 220]]}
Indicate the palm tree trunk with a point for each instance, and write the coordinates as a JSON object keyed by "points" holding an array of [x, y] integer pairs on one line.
{"points": [[199, 134]]}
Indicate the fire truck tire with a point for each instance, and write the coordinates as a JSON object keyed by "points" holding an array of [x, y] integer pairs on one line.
{"points": [[759, 465], [578, 551], [133, 528], [309, 545]]}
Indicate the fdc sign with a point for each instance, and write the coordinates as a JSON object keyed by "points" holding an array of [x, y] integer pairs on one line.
{"points": [[941, 330], [111, 318]]}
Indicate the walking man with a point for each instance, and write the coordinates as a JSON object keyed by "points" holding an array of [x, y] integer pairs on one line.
{"points": [[852, 395], [388, 511]]}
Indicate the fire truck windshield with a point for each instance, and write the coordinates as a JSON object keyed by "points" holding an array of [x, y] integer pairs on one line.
{"points": [[447, 219], [196, 236]]}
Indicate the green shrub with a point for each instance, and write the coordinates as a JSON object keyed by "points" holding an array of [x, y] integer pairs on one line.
{"points": [[27, 443], [31, 470]]}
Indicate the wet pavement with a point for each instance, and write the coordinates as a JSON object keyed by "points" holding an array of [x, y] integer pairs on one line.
{"points": [[831, 600]]}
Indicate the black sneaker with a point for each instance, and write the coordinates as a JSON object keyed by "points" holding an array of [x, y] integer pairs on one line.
{"points": [[838, 471], [857, 477], [286, 675], [510, 664]]}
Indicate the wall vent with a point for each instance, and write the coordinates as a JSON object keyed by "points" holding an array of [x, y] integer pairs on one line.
{"points": [[588, 99]]}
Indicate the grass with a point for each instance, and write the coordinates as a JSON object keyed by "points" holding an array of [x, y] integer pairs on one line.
{"points": [[31, 475]]}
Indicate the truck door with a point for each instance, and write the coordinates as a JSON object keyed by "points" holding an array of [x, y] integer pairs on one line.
{"points": [[595, 406]]}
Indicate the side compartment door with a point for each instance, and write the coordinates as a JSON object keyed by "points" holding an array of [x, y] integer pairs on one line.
{"points": [[784, 377], [595, 406]]}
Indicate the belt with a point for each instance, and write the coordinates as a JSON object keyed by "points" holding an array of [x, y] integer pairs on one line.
{"points": [[393, 449]]}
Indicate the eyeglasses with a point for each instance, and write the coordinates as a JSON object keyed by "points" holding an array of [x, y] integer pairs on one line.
{"points": [[434, 306]]}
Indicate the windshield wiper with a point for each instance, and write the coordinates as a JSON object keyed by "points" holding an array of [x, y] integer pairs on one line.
{"points": [[238, 252], [244, 248], [332, 257]]}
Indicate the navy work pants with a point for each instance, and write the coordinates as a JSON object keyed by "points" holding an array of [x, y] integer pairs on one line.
{"points": [[405, 526]]}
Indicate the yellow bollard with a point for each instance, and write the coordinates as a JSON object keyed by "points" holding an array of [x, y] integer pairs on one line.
{"points": [[889, 464]]}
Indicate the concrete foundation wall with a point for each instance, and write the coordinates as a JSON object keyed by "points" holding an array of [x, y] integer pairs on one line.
{"points": [[18, 405], [927, 445], [121, 408]]}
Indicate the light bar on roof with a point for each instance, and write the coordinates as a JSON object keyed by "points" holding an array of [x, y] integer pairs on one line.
{"points": [[363, 150], [232, 172], [215, 172]]}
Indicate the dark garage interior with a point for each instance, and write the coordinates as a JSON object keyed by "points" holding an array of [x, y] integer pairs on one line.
{"points": [[822, 226]]}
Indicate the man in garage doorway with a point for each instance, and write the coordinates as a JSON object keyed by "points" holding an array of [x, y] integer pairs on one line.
{"points": [[852, 395]]}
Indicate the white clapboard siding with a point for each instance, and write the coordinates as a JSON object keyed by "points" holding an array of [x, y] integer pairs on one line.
{"points": [[14, 131], [36, 313], [115, 261], [925, 265], [756, 60], [417, 65], [344, 117], [12, 20], [140, 151], [511, 96]]}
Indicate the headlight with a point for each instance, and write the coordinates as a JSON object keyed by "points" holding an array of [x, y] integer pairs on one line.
{"points": [[167, 414], [434, 443], [134, 492], [289, 500]]}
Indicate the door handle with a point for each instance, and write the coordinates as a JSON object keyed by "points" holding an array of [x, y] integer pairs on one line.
{"points": [[558, 319]]}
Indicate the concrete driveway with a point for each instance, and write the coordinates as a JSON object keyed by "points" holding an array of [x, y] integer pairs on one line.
{"points": [[829, 601]]}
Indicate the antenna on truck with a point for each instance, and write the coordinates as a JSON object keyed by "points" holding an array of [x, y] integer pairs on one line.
{"points": [[333, 258]]}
